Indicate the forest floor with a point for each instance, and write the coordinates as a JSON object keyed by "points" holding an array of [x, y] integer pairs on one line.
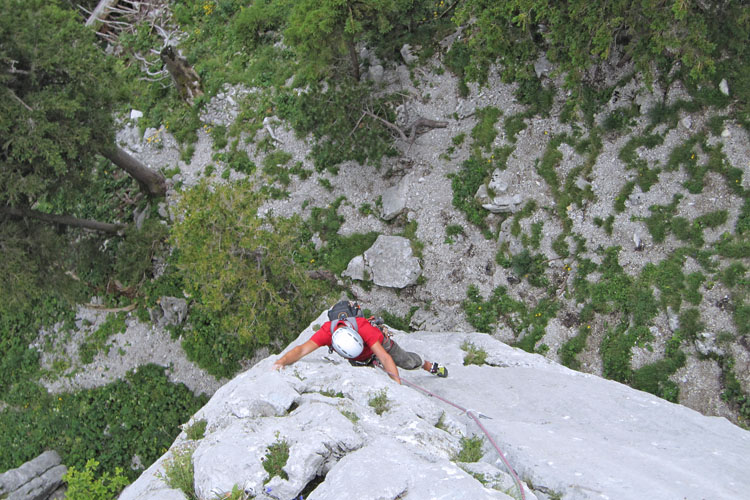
{"points": [[451, 265]]}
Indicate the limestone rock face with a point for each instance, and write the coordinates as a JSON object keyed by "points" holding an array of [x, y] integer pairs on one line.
{"points": [[354, 432], [37, 479]]}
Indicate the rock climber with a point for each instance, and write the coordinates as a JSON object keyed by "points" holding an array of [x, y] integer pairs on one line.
{"points": [[358, 340]]}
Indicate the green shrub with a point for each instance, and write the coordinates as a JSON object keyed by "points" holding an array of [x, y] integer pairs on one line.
{"points": [[240, 271], [398, 322], [84, 485], [560, 246], [474, 355], [465, 183], [197, 430], [484, 132], [335, 121], [741, 317], [623, 195], [572, 347], [274, 165], [616, 354], [733, 392], [479, 313], [530, 267], [219, 136], [141, 415], [179, 473], [620, 119], [513, 125], [238, 160], [96, 342], [471, 450], [350, 415], [690, 323], [456, 60], [380, 402], [276, 458], [654, 377]]}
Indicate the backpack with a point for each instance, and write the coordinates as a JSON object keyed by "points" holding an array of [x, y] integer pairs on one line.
{"points": [[346, 311]]}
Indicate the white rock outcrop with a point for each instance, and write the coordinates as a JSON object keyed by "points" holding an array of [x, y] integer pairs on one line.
{"points": [[571, 435]]}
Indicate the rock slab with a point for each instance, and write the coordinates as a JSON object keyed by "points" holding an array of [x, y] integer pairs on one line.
{"points": [[571, 435]]}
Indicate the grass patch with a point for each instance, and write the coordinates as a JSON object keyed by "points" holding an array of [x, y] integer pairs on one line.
{"points": [[573, 346], [179, 473], [484, 132], [380, 402], [275, 460], [197, 430], [350, 415], [474, 355], [471, 450]]}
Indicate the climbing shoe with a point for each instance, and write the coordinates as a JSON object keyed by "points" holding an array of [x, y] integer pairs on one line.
{"points": [[438, 370]]}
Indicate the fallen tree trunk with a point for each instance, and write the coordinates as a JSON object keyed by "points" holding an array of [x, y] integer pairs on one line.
{"points": [[66, 220], [153, 182]]}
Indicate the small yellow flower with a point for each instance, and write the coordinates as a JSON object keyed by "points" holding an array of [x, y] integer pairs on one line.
{"points": [[312, 261]]}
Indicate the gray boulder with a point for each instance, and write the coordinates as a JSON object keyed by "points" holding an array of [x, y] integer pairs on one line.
{"points": [[356, 268], [171, 311], [392, 263], [407, 54], [38, 479], [394, 202]]}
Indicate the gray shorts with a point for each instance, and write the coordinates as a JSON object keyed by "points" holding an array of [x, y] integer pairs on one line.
{"points": [[404, 359]]}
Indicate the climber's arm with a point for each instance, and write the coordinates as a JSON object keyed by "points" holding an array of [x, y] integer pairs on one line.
{"points": [[295, 354], [386, 360]]}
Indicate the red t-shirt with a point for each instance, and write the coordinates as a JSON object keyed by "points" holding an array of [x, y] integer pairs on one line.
{"points": [[370, 335]]}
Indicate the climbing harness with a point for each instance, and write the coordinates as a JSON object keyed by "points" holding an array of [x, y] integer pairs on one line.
{"points": [[475, 415]]}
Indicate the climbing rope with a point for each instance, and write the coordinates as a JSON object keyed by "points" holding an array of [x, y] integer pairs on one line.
{"points": [[474, 416]]}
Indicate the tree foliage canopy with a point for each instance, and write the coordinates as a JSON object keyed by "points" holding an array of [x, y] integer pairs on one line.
{"points": [[240, 269], [695, 33], [323, 31], [56, 101]]}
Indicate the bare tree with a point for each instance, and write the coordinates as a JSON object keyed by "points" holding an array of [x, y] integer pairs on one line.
{"points": [[112, 18]]}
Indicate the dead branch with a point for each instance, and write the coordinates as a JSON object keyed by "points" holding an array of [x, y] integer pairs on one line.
{"points": [[111, 309], [65, 220], [388, 124], [418, 125], [100, 12], [322, 274], [13, 94], [356, 125], [424, 123]]}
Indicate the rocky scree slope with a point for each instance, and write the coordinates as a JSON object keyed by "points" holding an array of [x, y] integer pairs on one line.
{"points": [[420, 175]]}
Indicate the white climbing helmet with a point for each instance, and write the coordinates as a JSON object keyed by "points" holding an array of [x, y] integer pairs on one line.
{"points": [[347, 342]]}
